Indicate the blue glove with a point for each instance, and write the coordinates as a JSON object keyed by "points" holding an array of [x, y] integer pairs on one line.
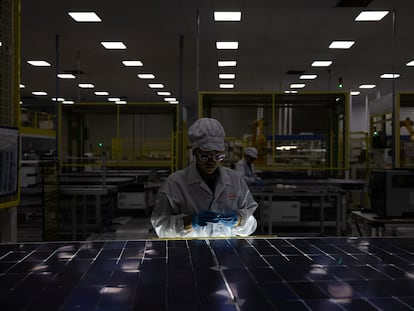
{"points": [[204, 217], [229, 219]]}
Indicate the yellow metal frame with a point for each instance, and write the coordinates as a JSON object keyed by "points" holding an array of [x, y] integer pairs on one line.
{"points": [[13, 200], [171, 163], [344, 160]]}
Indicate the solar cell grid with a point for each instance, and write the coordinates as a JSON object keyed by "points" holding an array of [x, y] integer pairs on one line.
{"points": [[215, 274]]}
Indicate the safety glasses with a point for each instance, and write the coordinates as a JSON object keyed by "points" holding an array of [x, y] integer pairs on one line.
{"points": [[204, 157]]}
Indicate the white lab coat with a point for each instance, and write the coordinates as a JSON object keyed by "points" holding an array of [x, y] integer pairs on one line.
{"points": [[185, 193], [246, 172]]}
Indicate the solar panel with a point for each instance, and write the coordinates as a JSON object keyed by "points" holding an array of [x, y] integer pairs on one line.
{"points": [[211, 274]]}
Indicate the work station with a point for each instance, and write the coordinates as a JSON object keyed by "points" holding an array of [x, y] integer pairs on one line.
{"points": [[112, 111]]}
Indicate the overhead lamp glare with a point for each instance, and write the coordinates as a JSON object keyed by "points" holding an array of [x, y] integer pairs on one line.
{"points": [[86, 85], [132, 63], [390, 76], [367, 86], [297, 85], [156, 85], [227, 16], [226, 86], [227, 63], [38, 63], [227, 45], [321, 63], [113, 45], [371, 16], [341, 44], [85, 16], [227, 75], [308, 77], [146, 76]]}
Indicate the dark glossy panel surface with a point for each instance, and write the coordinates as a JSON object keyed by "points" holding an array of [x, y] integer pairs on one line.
{"points": [[222, 274]]}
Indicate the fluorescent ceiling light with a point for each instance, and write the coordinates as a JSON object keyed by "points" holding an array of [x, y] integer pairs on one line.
{"points": [[1, 43], [86, 85], [227, 45], [227, 75], [411, 63], [85, 16], [355, 93], [113, 45], [100, 93], [132, 63], [66, 76], [367, 86], [121, 102], [174, 102], [227, 63], [321, 63], [38, 63], [390, 76], [297, 85], [114, 99], [341, 44], [22, 86], [146, 76], [164, 93], [290, 92], [169, 99], [156, 85], [59, 99], [227, 16], [308, 77], [226, 86], [39, 93], [68, 102], [371, 16]]}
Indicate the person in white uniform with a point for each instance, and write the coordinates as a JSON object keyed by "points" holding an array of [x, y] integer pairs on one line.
{"points": [[204, 199], [245, 167]]}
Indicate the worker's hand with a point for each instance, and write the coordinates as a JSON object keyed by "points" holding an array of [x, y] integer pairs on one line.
{"points": [[203, 218], [229, 219]]}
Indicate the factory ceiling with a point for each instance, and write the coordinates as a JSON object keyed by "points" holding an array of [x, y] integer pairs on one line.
{"points": [[176, 42]]}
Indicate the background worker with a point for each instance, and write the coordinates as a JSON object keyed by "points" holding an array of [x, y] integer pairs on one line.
{"points": [[204, 199], [245, 167]]}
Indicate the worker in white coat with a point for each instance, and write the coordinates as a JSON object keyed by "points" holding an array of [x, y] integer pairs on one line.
{"points": [[204, 199], [245, 167]]}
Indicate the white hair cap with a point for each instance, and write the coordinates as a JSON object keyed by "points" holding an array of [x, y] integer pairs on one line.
{"points": [[207, 134], [251, 152]]}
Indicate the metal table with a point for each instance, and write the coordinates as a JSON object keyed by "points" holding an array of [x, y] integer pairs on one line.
{"points": [[265, 196], [211, 274], [79, 194], [374, 225]]}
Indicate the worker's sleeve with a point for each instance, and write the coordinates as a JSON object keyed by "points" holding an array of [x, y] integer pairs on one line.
{"points": [[165, 222], [248, 222]]}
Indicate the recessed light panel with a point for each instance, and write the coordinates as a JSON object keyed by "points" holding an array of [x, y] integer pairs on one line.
{"points": [[114, 99], [132, 63], [227, 16], [164, 93], [321, 63], [22, 86], [297, 85], [367, 86], [390, 76], [66, 76], [101, 93], [371, 16], [85, 16], [121, 102], [355, 93], [146, 76], [308, 77], [227, 45], [227, 63], [86, 85], [341, 44], [38, 63], [39, 93], [411, 63], [226, 86], [156, 85], [169, 99], [114, 45], [227, 76], [68, 102]]}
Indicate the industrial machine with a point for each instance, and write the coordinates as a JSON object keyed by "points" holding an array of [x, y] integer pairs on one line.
{"points": [[391, 193]]}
